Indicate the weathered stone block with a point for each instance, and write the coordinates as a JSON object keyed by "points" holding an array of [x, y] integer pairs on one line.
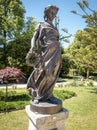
{"points": [[47, 122]]}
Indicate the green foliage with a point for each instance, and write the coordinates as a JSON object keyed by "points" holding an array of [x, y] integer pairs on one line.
{"points": [[83, 51], [2, 95], [15, 100], [13, 62], [82, 112], [11, 24], [15, 35], [73, 84], [6, 106], [77, 84], [64, 38], [91, 84], [11, 17], [17, 49], [63, 94], [18, 100], [14, 96], [85, 42], [90, 18], [65, 66]]}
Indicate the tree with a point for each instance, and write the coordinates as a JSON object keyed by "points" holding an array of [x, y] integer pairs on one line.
{"points": [[65, 66], [91, 19], [17, 49], [83, 51], [11, 23], [84, 46], [8, 73]]}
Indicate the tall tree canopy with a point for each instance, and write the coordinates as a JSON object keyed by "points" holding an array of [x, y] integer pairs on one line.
{"points": [[90, 15], [83, 50], [20, 46], [11, 23]]}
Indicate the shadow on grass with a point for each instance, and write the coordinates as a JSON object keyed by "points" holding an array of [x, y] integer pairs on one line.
{"points": [[22, 97], [93, 90], [13, 96], [14, 102]]}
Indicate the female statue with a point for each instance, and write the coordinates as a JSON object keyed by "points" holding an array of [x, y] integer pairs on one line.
{"points": [[45, 48]]}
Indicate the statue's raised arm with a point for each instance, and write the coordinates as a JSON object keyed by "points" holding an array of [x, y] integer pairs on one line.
{"points": [[32, 52]]}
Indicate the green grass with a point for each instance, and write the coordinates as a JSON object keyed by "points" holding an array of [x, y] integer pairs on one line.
{"points": [[82, 109], [16, 120], [82, 112]]}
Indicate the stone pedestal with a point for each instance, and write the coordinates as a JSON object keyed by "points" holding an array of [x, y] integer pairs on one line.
{"points": [[46, 122]]}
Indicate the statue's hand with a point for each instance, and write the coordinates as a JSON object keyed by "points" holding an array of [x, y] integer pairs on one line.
{"points": [[28, 63], [30, 54]]}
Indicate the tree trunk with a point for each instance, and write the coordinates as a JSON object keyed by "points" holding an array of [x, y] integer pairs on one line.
{"points": [[6, 90], [4, 48], [5, 34], [88, 72]]}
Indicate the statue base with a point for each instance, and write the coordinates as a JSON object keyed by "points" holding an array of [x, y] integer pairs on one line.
{"points": [[51, 106], [46, 121]]}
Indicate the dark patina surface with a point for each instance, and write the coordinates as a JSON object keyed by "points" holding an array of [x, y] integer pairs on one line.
{"points": [[45, 48]]}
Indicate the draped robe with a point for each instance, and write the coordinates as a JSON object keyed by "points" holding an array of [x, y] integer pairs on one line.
{"points": [[46, 71]]}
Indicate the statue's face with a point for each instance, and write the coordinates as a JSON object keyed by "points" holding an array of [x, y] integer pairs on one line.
{"points": [[52, 14]]}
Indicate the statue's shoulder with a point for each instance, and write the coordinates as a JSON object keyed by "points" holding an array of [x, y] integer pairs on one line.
{"points": [[40, 24], [44, 24]]}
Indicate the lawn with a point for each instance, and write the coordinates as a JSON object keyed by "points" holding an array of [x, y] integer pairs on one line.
{"points": [[82, 112], [82, 109], [16, 120]]}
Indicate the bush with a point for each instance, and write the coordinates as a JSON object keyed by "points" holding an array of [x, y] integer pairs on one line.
{"points": [[6, 106], [2, 105], [16, 100], [2, 95], [91, 84], [64, 94], [76, 84]]}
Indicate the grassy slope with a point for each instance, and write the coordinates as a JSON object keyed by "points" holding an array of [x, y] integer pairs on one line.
{"points": [[82, 109], [82, 112]]}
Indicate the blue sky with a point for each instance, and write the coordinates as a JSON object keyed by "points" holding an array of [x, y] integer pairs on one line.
{"points": [[68, 20]]}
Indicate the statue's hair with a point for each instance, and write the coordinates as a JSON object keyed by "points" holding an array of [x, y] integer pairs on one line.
{"points": [[50, 9]]}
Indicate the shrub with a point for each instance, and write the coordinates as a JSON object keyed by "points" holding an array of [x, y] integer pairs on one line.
{"points": [[74, 84], [2, 105], [16, 100], [2, 95], [64, 94], [91, 84]]}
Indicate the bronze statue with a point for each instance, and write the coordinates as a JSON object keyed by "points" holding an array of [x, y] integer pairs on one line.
{"points": [[45, 48]]}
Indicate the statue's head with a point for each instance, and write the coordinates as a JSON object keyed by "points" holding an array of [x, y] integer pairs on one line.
{"points": [[50, 12]]}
